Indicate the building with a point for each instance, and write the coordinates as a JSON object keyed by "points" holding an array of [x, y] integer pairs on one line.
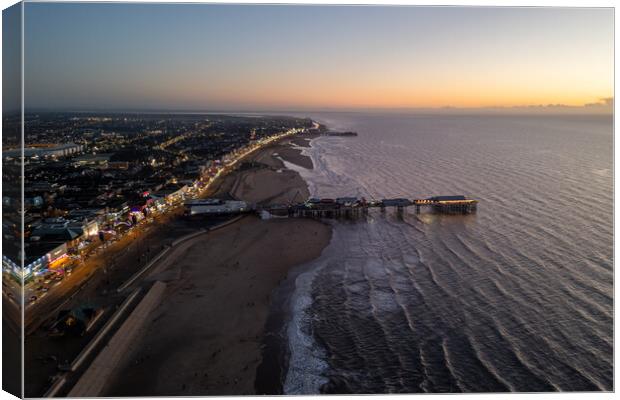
{"points": [[93, 160], [61, 150], [448, 198], [171, 193], [216, 207]]}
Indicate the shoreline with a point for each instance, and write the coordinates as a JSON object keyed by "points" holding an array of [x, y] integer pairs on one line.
{"points": [[272, 372], [235, 289]]}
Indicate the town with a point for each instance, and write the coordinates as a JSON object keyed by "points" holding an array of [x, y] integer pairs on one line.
{"points": [[106, 197], [89, 180]]}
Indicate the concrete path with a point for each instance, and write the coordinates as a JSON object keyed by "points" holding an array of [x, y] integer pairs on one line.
{"points": [[98, 374]]}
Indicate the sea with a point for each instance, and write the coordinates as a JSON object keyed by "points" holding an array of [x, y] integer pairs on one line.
{"points": [[517, 297]]}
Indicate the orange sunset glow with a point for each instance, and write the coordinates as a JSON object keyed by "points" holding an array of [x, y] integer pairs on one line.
{"points": [[263, 57]]}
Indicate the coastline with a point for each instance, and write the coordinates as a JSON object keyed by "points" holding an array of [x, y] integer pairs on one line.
{"points": [[220, 294], [266, 179], [272, 371]]}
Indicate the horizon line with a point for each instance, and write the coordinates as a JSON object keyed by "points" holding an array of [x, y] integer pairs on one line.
{"points": [[604, 105]]}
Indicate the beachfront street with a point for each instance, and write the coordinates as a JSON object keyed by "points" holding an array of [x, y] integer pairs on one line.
{"points": [[50, 302], [45, 296]]}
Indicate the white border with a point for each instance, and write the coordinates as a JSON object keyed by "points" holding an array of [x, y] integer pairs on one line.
{"points": [[483, 3]]}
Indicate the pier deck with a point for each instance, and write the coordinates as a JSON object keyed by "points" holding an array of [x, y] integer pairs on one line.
{"points": [[346, 207]]}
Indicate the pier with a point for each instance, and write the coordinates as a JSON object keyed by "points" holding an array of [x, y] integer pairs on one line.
{"points": [[342, 207]]}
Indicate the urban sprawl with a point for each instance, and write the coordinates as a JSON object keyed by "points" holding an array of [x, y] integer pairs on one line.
{"points": [[89, 179]]}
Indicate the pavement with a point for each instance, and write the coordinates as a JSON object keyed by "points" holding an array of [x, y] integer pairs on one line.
{"points": [[43, 353], [93, 281], [96, 376]]}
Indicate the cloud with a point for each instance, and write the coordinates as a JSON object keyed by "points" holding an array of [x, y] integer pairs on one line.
{"points": [[603, 102], [604, 106]]}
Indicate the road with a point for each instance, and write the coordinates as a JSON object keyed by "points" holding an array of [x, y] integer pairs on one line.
{"points": [[132, 244], [94, 281], [48, 303]]}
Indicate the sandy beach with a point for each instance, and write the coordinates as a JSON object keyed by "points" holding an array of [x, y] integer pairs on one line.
{"points": [[264, 179], [206, 337]]}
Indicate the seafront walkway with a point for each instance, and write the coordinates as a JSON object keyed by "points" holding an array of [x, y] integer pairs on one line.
{"points": [[42, 306]]}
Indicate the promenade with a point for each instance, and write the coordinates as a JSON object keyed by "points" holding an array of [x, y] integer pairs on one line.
{"points": [[96, 280]]}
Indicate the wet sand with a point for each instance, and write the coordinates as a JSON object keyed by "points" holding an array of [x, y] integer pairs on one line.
{"points": [[268, 181], [206, 337], [303, 141]]}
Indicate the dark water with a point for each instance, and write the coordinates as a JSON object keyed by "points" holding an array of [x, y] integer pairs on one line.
{"points": [[516, 298]]}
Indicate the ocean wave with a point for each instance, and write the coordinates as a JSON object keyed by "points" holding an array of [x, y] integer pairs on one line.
{"points": [[516, 298]]}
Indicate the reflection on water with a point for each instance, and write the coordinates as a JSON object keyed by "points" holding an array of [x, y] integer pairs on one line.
{"points": [[518, 297]]}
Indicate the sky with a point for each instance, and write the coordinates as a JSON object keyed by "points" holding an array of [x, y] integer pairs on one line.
{"points": [[11, 58], [243, 57]]}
